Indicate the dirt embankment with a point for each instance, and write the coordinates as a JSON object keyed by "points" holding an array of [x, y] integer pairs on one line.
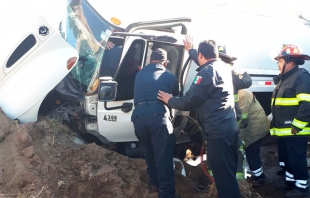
{"points": [[41, 160]]}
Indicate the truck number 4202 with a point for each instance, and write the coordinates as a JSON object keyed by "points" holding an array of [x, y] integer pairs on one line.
{"points": [[110, 118]]}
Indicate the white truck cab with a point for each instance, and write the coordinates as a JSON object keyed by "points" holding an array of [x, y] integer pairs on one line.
{"points": [[76, 76], [79, 94]]}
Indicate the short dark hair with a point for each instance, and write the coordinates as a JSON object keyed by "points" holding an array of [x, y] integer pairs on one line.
{"points": [[159, 54], [208, 49]]}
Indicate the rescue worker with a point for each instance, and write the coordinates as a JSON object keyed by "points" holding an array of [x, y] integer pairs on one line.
{"points": [[253, 127], [240, 81], [151, 119], [291, 117], [211, 95]]}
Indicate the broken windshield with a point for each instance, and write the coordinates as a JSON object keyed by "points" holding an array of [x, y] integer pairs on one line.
{"points": [[86, 31]]}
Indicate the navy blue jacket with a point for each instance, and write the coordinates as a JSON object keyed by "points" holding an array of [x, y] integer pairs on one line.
{"points": [[211, 94], [152, 78], [240, 81]]}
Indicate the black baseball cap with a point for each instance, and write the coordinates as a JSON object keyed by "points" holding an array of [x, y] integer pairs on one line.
{"points": [[159, 54], [224, 56]]}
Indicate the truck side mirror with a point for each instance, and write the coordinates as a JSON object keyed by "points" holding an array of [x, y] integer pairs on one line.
{"points": [[107, 89]]}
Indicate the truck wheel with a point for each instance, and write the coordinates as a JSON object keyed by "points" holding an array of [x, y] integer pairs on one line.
{"points": [[130, 149]]}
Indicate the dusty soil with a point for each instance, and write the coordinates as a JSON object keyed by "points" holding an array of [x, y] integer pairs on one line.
{"points": [[42, 160]]}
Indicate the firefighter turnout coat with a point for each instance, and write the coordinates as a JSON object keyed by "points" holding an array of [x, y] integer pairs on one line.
{"points": [[257, 121], [290, 104]]}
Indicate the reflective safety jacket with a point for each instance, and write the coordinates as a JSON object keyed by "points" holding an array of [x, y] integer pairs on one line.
{"points": [[257, 122], [290, 104]]}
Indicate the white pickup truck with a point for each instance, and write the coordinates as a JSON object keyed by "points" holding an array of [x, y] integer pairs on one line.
{"points": [[65, 74]]}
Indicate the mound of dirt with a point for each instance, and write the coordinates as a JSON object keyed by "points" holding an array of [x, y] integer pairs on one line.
{"points": [[42, 160]]}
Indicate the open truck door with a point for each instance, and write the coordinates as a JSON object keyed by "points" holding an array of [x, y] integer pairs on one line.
{"points": [[133, 50]]}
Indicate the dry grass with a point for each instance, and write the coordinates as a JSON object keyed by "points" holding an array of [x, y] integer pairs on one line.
{"points": [[51, 128]]}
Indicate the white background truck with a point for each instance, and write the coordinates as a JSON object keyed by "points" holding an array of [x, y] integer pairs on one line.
{"points": [[60, 70]]}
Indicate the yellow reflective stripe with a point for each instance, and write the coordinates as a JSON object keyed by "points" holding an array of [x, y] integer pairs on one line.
{"points": [[236, 98], [303, 97], [285, 102], [244, 116], [299, 124], [288, 131]]}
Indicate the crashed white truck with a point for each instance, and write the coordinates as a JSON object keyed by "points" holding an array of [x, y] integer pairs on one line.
{"points": [[67, 72]]}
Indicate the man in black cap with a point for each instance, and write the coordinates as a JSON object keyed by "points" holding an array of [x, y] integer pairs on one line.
{"points": [[211, 96], [151, 119]]}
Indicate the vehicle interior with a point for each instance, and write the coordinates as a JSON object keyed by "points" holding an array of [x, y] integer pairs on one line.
{"points": [[136, 58]]}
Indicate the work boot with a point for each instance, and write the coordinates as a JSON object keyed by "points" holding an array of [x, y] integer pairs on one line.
{"points": [[283, 186], [259, 181], [281, 172], [297, 192]]}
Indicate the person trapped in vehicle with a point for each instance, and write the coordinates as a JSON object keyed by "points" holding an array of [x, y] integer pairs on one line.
{"points": [[211, 95], [152, 122], [290, 119]]}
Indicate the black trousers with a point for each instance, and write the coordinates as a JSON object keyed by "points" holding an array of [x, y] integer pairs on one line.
{"points": [[253, 157], [281, 152], [154, 129], [223, 159], [293, 150]]}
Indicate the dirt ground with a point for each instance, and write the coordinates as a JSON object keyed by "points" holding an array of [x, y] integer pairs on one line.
{"points": [[42, 160]]}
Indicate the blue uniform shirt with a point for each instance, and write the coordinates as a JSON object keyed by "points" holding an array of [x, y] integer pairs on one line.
{"points": [[152, 78]]}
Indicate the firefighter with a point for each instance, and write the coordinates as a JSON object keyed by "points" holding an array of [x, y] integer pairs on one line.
{"points": [[151, 119], [240, 81], [291, 117], [211, 95], [254, 126]]}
